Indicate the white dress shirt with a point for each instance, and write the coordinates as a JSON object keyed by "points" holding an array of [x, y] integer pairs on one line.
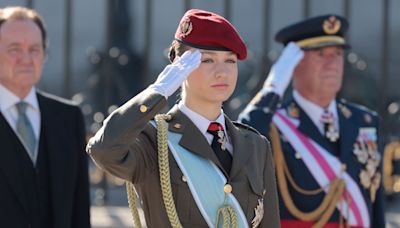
{"points": [[315, 111], [8, 100], [202, 124]]}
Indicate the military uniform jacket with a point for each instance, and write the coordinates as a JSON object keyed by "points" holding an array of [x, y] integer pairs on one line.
{"points": [[126, 146], [352, 118]]}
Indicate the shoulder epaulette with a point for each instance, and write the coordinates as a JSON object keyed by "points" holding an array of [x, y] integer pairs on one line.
{"points": [[245, 126]]}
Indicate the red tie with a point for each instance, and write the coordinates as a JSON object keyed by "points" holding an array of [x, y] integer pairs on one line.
{"points": [[218, 145]]}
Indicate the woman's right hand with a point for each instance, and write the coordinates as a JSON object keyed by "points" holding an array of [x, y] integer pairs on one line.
{"points": [[171, 78]]}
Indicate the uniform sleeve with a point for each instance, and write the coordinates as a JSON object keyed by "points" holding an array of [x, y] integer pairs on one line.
{"points": [[260, 110], [271, 204], [125, 145]]}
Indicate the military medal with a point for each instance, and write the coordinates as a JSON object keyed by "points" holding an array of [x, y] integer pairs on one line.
{"points": [[259, 214], [367, 154], [362, 155], [330, 132], [222, 139], [365, 179]]}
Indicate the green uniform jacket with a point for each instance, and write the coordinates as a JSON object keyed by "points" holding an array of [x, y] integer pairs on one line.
{"points": [[126, 146]]}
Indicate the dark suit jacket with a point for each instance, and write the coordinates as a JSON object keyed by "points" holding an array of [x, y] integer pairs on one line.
{"points": [[126, 146], [68, 171], [351, 118]]}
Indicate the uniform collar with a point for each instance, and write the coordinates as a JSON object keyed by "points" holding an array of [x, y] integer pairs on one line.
{"points": [[313, 110], [200, 121]]}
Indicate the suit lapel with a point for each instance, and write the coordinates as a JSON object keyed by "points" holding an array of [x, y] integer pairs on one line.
{"points": [[9, 164], [59, 162], [348, 134], [308, 128], [242, 148]]}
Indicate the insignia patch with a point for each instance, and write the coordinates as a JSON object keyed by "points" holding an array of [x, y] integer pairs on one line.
{"points": [[331, 25], [258, 214], [293, 111], [345, 111], [186, 27], [367, 118]]}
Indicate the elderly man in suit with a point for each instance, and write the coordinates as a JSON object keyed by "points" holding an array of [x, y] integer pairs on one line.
{"points": [[327, 161], [43, 165]]}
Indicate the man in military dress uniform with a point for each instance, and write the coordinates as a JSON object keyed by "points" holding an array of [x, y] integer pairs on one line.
{"points": [[328, 165]]}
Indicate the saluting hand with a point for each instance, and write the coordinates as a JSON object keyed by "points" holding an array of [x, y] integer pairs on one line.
{"points": [[171, 78], [282, 71]]}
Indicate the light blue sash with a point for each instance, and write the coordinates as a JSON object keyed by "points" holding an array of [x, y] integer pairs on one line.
{"points": [[206, 182]]}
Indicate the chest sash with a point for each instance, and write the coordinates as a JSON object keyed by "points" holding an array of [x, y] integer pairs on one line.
{"points": [[206, 182], [325, 167]]}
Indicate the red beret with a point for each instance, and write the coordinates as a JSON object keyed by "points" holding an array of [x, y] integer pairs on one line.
{"points": [[206, 30]]}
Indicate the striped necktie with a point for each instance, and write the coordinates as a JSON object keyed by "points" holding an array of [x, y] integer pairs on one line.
{"points": [[25, 129]]}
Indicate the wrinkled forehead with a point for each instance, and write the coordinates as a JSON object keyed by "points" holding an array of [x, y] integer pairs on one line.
{"points": [[20, 32]]}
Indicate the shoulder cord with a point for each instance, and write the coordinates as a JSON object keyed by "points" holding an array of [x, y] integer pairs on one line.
{"points": [[163, 165], [328, 205], [228, 213], [229, 217], [165, 181], [132, 200]]}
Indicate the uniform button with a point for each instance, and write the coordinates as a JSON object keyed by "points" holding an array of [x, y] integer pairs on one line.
{"points": [[177, 126], [228, 188], [184, 179], [143, 108]]}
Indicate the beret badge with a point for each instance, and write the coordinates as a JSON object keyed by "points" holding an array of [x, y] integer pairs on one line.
{"points": [[186, 27], [331, 25]]}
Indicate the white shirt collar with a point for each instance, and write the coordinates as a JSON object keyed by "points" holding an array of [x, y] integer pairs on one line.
{"points": [[200, 121], [8, 99], [315, 111]]}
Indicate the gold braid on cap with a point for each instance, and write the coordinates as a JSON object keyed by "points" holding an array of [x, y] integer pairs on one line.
{"points": [[325, 210], [315, 41]]}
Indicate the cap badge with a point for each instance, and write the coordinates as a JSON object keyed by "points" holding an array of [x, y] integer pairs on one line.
{"points": [[331, 25], [186, 27]]}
